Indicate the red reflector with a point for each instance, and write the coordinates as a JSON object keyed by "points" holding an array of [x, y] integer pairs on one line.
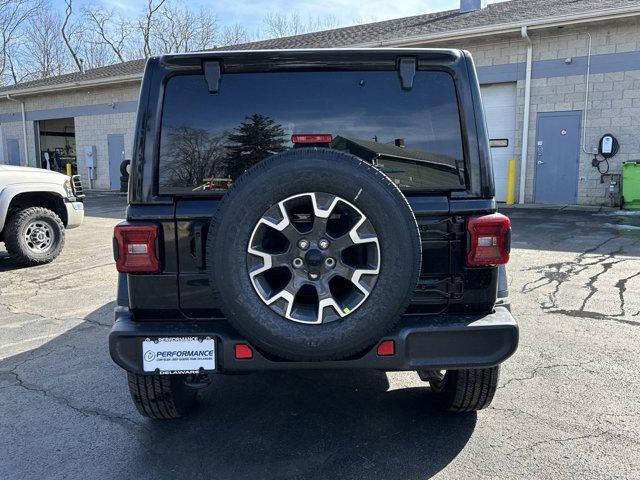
{"points": [[387, 347], [312, 138], [135, 248], [243, 351], [489, 240]]}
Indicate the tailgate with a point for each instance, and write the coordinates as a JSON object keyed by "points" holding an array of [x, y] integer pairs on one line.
{"points": [[445, 283]]}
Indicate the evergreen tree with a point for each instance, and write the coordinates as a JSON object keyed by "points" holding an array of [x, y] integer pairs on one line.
{"points": [[253, 141]]}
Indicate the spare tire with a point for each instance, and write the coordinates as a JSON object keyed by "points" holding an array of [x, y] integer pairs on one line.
{"points": [[314, 254]]}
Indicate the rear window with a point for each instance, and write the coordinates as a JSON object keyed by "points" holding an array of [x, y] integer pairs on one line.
{"points": [[208, 140]]}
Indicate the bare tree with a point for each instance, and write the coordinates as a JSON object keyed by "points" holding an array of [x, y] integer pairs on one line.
{"points": [[13, 16], [64, 30], [196, 156], [111, 30], [180, 29], [283, 25], [43, 49], [146, 24], [37, 42], [233, 35]]}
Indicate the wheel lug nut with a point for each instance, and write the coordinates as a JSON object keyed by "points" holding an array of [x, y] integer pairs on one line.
{"points": [[303, 244], [297, 262], [330, 262], [323, 243]]}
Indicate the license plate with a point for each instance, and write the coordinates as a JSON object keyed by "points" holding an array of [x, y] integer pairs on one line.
{"points": [[178, 355]]}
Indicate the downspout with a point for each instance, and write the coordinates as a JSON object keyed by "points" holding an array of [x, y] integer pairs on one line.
{"points": [[586, 99], [525, 120], [24, 128]]}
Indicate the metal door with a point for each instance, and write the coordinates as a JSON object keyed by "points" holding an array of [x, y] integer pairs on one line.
{"points": [[13, 151], [557, 157], [115, 145]]}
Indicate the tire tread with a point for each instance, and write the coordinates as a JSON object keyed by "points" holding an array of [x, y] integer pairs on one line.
{"points": [[468, 389], [160, 397]]}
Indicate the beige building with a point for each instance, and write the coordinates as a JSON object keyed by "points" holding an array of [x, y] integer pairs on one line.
{"points": [[556, 76]]}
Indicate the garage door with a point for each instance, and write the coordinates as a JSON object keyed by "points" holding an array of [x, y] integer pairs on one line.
{"points": [[500, 110]]}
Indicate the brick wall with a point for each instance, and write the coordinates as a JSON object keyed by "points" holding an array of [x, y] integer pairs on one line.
{"points": [[93, 130]]}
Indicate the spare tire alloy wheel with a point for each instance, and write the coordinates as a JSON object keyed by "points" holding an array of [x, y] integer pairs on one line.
{"points": [[318, 266], [313, 255]]}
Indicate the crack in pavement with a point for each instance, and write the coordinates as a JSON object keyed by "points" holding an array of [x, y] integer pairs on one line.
{"points": [[540, 368], [593, 316], [15, 309], [606, 266], [121, 420], [559, 273], [621, 285], [561, 441]]}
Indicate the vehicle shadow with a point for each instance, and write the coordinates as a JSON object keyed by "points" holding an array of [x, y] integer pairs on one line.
{"points": [[7, 264], [68, 415], [342, 424]]}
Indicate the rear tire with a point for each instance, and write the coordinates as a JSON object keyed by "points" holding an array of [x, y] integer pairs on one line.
{"points": [[37, 252], [161, 397], [466, 390]]}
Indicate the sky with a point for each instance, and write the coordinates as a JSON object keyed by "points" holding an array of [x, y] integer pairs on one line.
{"points": [[249, 13]]}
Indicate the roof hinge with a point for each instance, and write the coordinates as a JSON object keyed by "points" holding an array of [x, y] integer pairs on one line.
{"points": [[407, 71], [212, 74]]}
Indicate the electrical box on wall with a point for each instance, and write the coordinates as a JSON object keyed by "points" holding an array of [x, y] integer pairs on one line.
{"points": [[607, 145]]}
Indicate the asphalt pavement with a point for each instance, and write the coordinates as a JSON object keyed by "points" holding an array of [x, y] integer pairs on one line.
{"points": [[567, 406]]}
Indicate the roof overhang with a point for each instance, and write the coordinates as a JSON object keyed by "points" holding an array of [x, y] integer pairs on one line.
{"points": [[96, 82], [512, 27]]}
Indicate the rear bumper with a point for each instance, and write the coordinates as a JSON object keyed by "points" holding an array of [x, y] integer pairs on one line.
{"points": [[421, 343], [75, 214]]}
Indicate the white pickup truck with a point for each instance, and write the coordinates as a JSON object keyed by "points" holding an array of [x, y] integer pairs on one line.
{"points": [[36, 206]]}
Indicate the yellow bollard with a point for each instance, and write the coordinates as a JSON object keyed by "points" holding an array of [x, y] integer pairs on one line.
{"points": [[69, 169], [511, 182]]}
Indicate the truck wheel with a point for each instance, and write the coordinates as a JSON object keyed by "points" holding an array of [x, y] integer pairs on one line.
{"points": [[314, 254], [161, 396], [34, 236], [465, 390]]}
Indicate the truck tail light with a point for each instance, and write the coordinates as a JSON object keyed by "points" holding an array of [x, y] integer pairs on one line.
{"points": [[312, 138], [135, 248], [489, 240]]}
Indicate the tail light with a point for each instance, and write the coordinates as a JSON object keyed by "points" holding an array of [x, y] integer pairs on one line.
{"points": [[135, 248], [312, 138], [489, 240]]}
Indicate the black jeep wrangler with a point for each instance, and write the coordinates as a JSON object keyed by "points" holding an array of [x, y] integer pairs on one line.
{"points": [[311, 209]]}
